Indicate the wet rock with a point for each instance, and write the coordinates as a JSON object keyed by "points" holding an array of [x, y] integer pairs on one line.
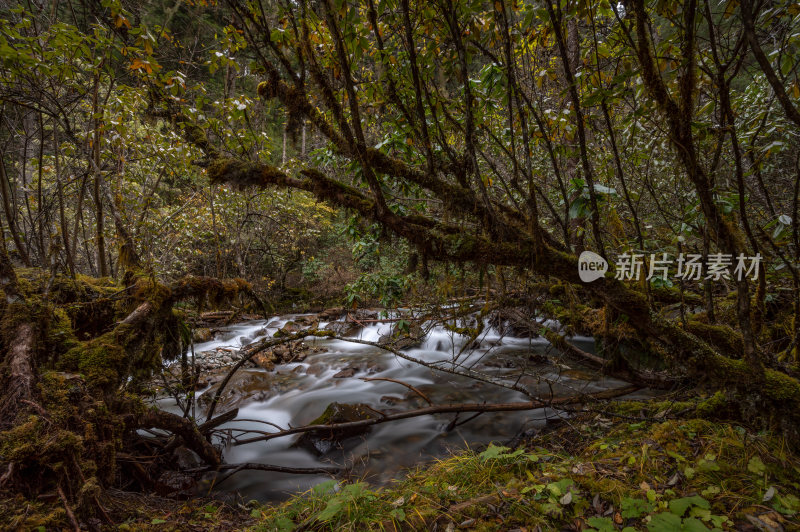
{"points": [[403, 338], [245, 340], [365, 314], [316, 369], [345, 373], [265, 360], [289, 328], [246, 386], [173, 481], [323, 441], [308, 321], [343, 328], [516, 322], [203, 334], [391, 400], [185, 458], [331, 314]]}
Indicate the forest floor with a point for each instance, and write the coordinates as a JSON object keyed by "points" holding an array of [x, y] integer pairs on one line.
{"points": [[635, 466]]}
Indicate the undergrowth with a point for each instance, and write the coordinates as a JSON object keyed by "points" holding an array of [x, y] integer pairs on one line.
{"points": [[590, 474]]}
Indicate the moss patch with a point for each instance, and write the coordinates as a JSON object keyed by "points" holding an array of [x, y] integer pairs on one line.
{"points": [[591, 473]]}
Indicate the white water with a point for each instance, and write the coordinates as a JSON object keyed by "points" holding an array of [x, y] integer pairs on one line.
{"points": [[297, 393]]}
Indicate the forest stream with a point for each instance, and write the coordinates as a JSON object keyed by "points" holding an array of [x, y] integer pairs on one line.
{"points": [[297, 393]]}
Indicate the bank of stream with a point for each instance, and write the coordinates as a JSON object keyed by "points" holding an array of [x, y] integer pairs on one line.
{"points": [[295, 394]]}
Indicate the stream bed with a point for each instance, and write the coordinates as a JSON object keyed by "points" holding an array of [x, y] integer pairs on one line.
{"points": [[297, 393]]}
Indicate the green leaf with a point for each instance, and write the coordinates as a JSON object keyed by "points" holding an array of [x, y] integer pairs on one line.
{"points": [[157, 521], [664, 522], [690, 524], [284, 524], [755, 465], [679, 506], [331, 510], [493, 451], [635, 507], [602, 524]]}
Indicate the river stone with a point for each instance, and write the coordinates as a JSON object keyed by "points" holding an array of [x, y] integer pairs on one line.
{"points": [[343, 328], [345, 373], [307, 321], [186, 458], [403, 339], [365, 314], [174, 481], [289, 328], [323, 441], [316, 369], [331, 314], [203, 334], [265, 360], [246, 386]]}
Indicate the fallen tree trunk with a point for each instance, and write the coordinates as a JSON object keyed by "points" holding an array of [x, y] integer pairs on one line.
{"points": [[19, 340], [447, 409], [179, 426]]}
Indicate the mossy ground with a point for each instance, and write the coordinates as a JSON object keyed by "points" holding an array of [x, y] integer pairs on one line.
{"points": [[595, 472]]}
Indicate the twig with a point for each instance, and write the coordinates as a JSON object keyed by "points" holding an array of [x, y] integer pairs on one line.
{"points": [[69, 510], [249, 352], [410, 387], [219, 420], [7, 474]]}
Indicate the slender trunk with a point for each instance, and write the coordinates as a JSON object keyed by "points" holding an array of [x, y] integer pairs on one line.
{"points": [[61, 215], [102, 264], [12, 224]]}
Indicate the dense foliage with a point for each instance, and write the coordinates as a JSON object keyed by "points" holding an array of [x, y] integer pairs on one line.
{"points": [[376, 151]]}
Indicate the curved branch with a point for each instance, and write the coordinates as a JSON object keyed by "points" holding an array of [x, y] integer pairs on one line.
{"points": [[447, 409]]}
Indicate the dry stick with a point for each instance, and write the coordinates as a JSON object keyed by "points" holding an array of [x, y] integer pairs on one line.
{"points": [[68, 509], [217, 421], [280, 469], [410, 387], [7, 475], [472, 374], [250, 351], [235, 468], [445, 409]]}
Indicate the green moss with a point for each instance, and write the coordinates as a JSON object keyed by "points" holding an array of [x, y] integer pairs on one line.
{"points": [[614, 465], [98, 360], [713, 406], [721, 336]]}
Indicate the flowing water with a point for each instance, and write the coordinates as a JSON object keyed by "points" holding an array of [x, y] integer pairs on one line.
{"points": [[297, 393]]}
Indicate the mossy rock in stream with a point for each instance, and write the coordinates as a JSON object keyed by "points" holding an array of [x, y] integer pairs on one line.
{"points": [[321, 442]]}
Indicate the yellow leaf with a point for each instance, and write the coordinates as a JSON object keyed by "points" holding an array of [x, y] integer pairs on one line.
{"points": [[730, 9], [122, 21], [136, 64]]}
